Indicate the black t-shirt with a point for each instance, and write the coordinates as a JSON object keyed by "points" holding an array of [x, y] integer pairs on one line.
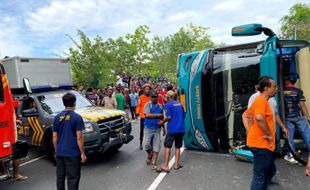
{"points": [[292, 96]]}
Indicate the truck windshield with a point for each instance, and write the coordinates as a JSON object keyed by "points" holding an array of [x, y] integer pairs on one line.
{"points": [[52, 103]]}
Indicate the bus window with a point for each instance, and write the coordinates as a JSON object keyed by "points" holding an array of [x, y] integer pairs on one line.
{"points": [[235, 75]]}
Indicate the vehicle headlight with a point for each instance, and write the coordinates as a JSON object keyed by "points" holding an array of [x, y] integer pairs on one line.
{"points": [[88, 127]]}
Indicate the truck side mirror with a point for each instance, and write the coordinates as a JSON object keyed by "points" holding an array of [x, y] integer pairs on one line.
{"points": [[30, 113], [27, 86]]}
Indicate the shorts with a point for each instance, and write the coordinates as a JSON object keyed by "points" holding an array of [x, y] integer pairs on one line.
{"points": [[177, 138], [152, 139], [20, 150]]}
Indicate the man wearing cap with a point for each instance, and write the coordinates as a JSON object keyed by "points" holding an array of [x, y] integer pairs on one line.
{"points": [[143, 99], [175, 130], [153, 113]]}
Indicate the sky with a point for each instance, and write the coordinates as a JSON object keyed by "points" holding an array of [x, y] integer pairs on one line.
{"points": [[39, 28]]}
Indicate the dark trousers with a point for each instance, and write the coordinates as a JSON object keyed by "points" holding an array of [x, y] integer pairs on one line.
{"points": [[264, 168], [133, 112], [141, 130], [70, 167]]}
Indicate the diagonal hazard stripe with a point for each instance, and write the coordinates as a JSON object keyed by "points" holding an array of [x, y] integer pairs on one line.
{"points": [[41, 132], [33, 129], [37, 130]]}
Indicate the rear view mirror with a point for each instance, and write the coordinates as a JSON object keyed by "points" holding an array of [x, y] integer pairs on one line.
{"points": [[247, 30], [27, 86], [30, 113]]}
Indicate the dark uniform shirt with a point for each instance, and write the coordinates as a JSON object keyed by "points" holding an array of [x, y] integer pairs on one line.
{"points": [[67, 141], [292, 96]]}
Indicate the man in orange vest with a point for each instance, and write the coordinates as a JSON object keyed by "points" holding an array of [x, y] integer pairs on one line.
{"points": [[143, 99]]}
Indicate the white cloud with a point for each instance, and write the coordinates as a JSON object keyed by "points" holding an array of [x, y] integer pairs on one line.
{"points": [[182, 16], [228, 5], [10, 42], [42, 27]]}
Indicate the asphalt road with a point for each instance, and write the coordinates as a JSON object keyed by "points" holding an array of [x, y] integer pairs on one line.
{"points": [[126, 169]]}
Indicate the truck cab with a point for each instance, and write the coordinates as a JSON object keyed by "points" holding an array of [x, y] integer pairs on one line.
{"points": [[7, 117]]}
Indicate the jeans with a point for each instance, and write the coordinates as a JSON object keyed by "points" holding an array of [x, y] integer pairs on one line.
{"points": [[133, 112], [264, 168], [70, 167], [300, 124]]}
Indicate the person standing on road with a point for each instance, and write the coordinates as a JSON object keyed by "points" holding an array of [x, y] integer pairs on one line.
{"points": [[143, 99], [261, 134], [153, 113], [174, 115], [68, 142], [296, 115], [134, 101], [127, 101], [109, 101], [119, 99]]}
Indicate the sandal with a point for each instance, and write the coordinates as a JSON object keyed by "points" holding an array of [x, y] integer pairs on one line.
{"points": [[162, 170], [178, 167], [148, 161], [20, 178], [153, 166]]}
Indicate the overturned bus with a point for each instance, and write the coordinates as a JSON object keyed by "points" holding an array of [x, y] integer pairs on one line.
{"points": [[215, 85]]}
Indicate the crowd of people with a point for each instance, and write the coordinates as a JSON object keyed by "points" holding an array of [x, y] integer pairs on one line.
{"points": [[125, 95]]}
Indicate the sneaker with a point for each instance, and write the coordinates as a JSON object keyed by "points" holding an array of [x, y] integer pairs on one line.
{"points": [[290, 159]]}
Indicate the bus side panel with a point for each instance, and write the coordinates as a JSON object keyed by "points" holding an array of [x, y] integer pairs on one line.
{"points": [[268, 66]]}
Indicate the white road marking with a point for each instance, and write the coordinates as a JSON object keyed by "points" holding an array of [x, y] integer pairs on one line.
{"points": [[33, 160], [161, 176]]}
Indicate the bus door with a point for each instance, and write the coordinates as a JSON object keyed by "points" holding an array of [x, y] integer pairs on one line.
{"points": [[235, 73], [293, 60]]}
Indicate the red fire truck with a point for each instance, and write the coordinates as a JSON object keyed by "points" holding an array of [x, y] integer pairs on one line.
{"points": [[7, 117]]}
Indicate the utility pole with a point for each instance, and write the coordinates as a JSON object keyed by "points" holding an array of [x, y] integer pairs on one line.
{"points": [[294, 33]]}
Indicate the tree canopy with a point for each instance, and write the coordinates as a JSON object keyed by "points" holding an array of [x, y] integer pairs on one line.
{"points": [[297, 19], [96, 62]]}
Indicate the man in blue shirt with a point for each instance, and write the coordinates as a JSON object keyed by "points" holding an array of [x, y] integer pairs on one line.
{"points": [[175, 131], [134, 101], [153, 113], [69, 144]]}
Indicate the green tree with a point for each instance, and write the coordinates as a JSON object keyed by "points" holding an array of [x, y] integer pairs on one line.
{"points": [[95, 63], [91, 61], [298, 19], [166, 50], [139, 49]]}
